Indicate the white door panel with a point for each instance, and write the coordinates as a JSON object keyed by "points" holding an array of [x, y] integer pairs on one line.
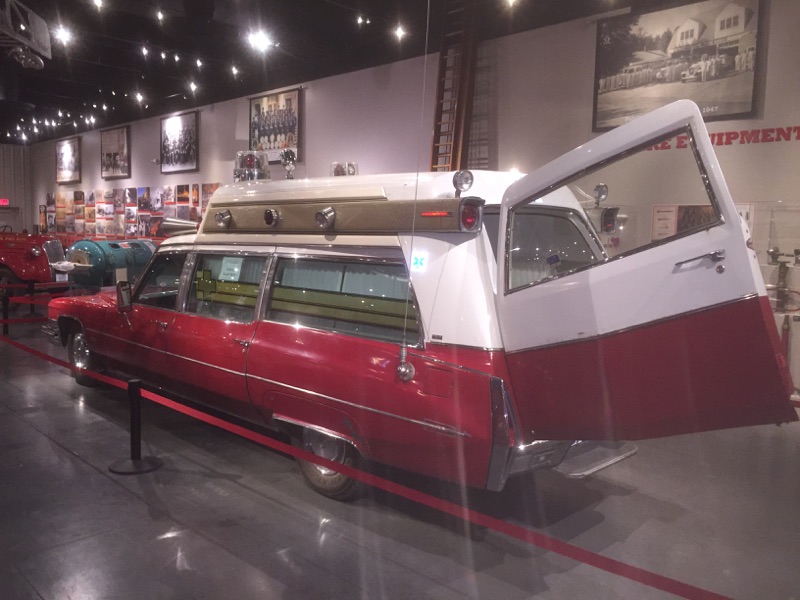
{"points": [[672, 336]]}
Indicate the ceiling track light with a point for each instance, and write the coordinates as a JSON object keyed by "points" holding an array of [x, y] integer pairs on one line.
{"points": [[63, 35], [259, 41]]}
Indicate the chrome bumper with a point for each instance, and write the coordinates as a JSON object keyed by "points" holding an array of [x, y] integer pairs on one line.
{"points": [[507, 459], [51, 329]]}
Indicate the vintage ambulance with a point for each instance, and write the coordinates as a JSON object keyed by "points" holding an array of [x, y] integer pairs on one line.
{"points": [[468, 326]]}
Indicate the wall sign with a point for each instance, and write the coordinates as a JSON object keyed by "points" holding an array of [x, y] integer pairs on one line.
{"points": [[766, 135]]}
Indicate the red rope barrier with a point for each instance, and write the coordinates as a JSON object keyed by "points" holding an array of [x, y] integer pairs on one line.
{"points": [[24, 320], [545, 542]]}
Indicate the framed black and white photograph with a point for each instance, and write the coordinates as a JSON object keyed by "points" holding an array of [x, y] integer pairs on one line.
{"points": [[68, 160], [179, 144], [704, 51], [115, 154], [275, 123]]}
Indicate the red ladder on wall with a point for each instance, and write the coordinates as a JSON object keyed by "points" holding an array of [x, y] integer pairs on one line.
{"points": [[454, 88]]}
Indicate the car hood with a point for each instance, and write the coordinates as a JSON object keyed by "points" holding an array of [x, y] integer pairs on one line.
{"points": [[66, 304]]}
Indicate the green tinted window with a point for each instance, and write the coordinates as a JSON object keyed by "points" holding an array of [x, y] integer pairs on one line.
{"points": [[368, 299], [225, 287]]}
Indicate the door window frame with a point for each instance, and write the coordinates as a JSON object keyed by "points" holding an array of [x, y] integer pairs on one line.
{"points": [[179, 300], [685, 130], [191, 266]]}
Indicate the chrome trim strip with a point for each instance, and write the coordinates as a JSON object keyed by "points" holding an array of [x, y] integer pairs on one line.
{"points": [[445, 363], [324, 430], [635, 327], [439, 427], [438, 342], [205, 364], [165, 353]]}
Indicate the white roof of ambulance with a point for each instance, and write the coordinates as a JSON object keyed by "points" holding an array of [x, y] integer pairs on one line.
{"points": [[489, 185]]}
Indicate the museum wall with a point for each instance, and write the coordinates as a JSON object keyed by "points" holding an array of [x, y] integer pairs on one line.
{"points": [[544, 81], [539, 94], [14, 183]]}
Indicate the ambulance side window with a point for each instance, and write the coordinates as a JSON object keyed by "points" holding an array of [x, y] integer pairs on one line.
{"points": [[367, 299], [162, 281], [225, 287]]}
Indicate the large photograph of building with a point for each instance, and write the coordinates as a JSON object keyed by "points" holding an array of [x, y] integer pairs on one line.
{"points": [[705, 51]]}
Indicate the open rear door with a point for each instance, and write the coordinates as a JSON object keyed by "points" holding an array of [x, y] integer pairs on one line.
{"points": [[674, 335]]}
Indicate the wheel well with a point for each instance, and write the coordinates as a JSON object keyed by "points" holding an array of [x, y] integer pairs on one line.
{"points": [[66, 326], [294, 429]]}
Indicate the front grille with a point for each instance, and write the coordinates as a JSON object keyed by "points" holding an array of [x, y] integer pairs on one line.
{"points": [[54, 251]]}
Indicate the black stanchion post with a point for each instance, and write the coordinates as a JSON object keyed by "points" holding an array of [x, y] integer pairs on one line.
{"points": [[135, 398], [31, 293], [5, 312], [136, 464]]}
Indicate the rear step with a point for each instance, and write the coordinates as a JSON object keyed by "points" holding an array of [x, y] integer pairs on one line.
{"points": [[585, 458]]}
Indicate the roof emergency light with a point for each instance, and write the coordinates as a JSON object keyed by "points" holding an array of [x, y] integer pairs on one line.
{"points": [[462, 181], [271, 217], [223, 218], [251, 165], [325, 217]]}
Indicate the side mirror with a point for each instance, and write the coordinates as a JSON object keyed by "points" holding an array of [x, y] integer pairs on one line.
{"points": [[124, 297]]}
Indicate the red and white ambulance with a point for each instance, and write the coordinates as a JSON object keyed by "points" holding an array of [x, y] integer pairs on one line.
{"points": [[468, 326]]}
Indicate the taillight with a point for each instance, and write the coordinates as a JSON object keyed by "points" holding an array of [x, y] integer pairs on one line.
{"points": [[470, 214], [469, 217], [608, 219]]}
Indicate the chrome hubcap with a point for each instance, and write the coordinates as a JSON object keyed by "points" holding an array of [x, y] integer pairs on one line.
{"points": [[324, 446], [80, 351]]}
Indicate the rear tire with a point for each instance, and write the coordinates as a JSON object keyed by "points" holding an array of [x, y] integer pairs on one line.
{"points": [[321, 479], [80, 356]]}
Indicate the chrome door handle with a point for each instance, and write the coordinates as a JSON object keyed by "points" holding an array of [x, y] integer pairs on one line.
{"points": [[715, 256], [244, 343], [162, 325]]}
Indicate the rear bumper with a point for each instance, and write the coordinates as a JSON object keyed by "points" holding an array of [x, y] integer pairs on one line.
{"points": [[509, 456]]}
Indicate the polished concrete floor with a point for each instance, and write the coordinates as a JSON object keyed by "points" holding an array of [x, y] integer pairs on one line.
{"points": [[717, 514]]}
